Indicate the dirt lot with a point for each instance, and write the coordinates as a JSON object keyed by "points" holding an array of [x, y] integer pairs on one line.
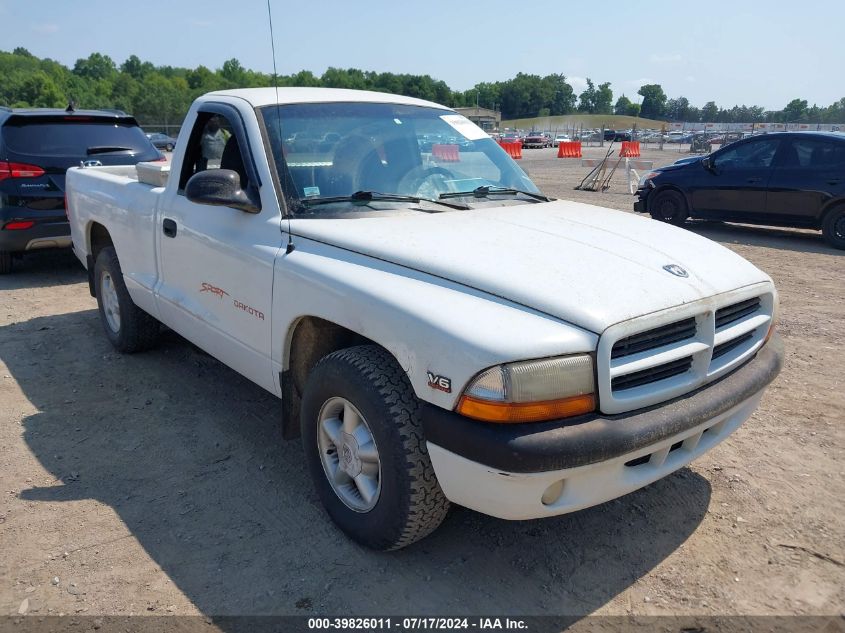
{"points": [[159, 483]]}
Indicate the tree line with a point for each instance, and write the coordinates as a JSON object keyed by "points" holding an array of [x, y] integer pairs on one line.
{"points": [[162, 94]]}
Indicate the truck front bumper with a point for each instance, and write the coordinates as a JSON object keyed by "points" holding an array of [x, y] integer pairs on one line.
{"points": [[526, 471]]}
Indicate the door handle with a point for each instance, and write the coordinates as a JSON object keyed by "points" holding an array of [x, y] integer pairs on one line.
{"points": [[169, 227], [753, 180], [834, 181]]}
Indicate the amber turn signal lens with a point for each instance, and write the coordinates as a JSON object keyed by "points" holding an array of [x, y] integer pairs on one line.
{"points": [[510, 412], [769, 334]]}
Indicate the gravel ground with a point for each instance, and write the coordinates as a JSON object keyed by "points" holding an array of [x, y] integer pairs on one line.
{"points": [[159, 483]]}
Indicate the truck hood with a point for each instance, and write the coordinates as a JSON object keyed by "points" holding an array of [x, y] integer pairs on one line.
{"points": [[586, 265]]}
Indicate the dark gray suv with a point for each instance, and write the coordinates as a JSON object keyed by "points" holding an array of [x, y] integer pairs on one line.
{"points": [[36, 148]]}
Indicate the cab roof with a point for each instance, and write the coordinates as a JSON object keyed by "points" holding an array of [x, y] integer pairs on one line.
{"points": [[258, 97]]}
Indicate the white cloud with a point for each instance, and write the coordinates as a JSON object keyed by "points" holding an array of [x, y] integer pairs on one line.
{"points": [[665, 58], [45, 29], [579, 84], [636, 83]]}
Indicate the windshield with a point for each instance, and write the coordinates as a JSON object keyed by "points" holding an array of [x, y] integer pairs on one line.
{"points": [[327, 152]]}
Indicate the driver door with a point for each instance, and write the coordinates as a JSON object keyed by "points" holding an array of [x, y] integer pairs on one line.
{"points": [[735, 186], [216, 262]]}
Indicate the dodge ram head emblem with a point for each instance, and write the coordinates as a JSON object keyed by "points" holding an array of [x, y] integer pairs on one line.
{"points": [[675, 270]]}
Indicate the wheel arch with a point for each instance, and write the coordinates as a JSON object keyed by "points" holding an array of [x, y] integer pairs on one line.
{"points": [[669, 187], [97, 238], [829, 208], [309, 339]]}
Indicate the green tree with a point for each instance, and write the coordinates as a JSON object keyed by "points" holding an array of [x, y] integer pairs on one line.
{"points": [[587, 99], [677, 109], [795, 110], [233, 73], [709, 112], [654, 101], [603, 99], [135, 68], [96, 66], [562, 94], [623, 105]]}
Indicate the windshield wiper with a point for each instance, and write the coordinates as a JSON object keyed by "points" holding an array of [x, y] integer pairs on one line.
{"points": [[365, 197], [486, 191], [105, 149]]}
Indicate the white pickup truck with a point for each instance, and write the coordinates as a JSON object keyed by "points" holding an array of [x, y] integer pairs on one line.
{"points": [[437, 330]]}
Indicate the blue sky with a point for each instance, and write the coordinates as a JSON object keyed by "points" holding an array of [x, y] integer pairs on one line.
{"points": [[753, 53]]}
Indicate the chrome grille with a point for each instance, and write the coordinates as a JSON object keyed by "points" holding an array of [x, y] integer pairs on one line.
{"points": [[729, 314], [652, 374], [724, 348], [651, 339]]}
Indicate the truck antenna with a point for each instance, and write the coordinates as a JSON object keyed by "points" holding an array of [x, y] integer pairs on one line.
{"points": [[290, 247]]}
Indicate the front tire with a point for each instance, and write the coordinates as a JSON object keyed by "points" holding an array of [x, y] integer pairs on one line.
{"points": [[833, 228], [129, 328], [669, 206], [364, 444]]}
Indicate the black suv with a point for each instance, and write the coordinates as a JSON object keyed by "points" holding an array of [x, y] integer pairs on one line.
{"points": [[617, 135], [36, 148], [782, 179]]}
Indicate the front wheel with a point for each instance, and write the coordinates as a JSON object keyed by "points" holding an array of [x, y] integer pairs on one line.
{"points": [[669, 206], [129, 328], [364, 444], [833, 228]]}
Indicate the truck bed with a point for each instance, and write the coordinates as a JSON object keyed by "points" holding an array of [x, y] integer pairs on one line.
{"points": [[122, 194]]}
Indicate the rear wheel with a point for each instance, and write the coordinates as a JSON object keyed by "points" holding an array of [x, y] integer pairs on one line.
{"points": [[833, 228], [363, 441], [129, 328], [669, 206], [5, 262]]}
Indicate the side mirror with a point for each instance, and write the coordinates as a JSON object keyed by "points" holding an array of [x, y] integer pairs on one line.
{"points": [[707, 163], [221, 188]]}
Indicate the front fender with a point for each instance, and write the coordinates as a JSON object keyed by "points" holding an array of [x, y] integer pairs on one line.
{"points": [[429, 324]]}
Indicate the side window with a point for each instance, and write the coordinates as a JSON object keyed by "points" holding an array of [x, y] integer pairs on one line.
{"points": [[812, 153], [757, 154], [213, 145]]}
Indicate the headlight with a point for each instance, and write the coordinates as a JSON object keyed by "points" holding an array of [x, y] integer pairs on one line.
{"points": [[648, 177], [531, 391]]}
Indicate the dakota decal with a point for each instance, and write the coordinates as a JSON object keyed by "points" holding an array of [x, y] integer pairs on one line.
{"points": [[249, 310], [219, 292]]}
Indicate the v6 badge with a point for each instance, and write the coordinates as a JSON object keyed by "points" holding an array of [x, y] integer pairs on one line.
{"points": [[439, 382]]}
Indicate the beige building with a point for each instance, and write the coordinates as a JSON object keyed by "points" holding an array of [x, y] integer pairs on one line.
{"points": [[487, 120]]}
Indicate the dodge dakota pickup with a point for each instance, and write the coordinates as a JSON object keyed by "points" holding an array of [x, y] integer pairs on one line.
{"points": [[436, 328]]}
